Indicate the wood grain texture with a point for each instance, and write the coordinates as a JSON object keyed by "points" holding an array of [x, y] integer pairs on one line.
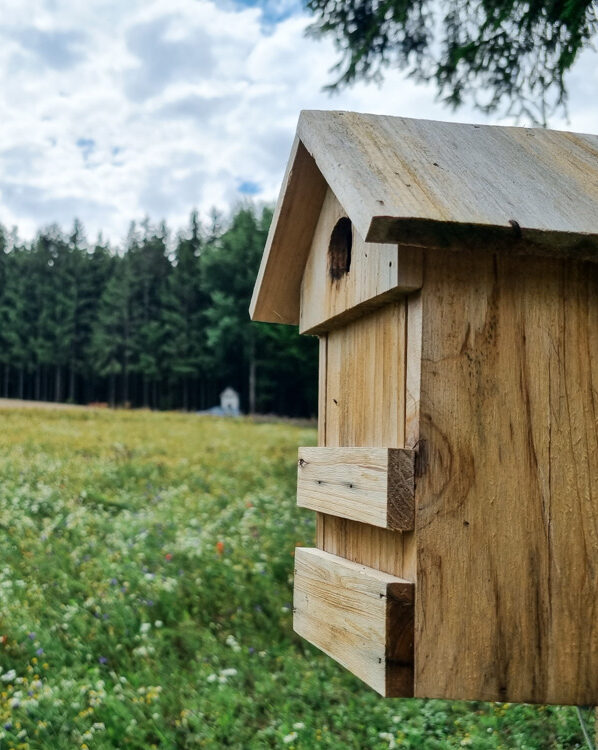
{"points": [[507, 510], [413, 369], [360, 617], [401, 489], [443, 184], [364, 405], [378, 273], [370, 485], [365, 391], [428, 184], [277, 288]]}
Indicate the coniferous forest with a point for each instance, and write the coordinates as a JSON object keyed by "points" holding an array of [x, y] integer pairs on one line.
{"points": [[161, 322]]}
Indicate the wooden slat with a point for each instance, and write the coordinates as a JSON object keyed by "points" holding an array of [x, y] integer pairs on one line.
{"points": [[413, 373], [360, 617], [365, 406], [371, 485], [365, 392]]}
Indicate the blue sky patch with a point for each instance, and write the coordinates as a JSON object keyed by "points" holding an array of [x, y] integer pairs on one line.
{"points": [[60, 50], [248, 187], [274, 10], [86, 145]]}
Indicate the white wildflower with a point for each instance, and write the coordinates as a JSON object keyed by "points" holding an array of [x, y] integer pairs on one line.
{"points": [[9, 676], [233, 643], [288, 738]]}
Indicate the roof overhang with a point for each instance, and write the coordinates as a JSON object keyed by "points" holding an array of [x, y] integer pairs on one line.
{"points": [[429, 184]]}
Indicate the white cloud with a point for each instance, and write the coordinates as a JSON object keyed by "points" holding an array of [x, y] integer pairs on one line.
{"points": [[112, 110]]}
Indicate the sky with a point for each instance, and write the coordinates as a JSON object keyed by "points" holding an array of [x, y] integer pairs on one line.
{"points": [[115, 110]]}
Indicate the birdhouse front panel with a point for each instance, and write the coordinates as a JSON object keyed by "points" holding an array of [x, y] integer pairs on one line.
{"points": [[456, 475]]}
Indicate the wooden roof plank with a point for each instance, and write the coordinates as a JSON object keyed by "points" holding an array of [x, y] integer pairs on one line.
{"points": [[277, 288], [431, 184]]}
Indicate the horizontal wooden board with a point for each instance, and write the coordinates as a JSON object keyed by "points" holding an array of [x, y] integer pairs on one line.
{"points": [[371, 485], [359, 616]]}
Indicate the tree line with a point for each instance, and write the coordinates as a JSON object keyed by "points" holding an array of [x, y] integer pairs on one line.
{"points": [[160, 322]]}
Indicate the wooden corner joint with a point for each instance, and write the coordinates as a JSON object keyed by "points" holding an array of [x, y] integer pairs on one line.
{"points": [[401, 489]]}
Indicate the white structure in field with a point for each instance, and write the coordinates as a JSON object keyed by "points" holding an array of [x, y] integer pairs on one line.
{"points": [[229, 402]]}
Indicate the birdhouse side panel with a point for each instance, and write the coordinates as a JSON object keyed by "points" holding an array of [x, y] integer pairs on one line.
{"points": [[507, 508]]}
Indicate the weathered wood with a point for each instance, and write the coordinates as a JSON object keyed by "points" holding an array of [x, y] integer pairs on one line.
{"points": [[430, 184], [365, 391], [364, 405], [413, 370], [377, 274], [487, 375], [360, 617], [439, 184], [371, 485], [322, 369], [507, 509], [277, 287]]}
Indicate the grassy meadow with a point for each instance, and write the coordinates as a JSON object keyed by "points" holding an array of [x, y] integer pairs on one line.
{"points": [[145, 599]]}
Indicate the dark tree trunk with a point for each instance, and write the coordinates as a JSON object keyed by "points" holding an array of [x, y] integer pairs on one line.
{"points": [[57, 383], [6, 378], [21, 383], [112, 390], [186, 393], [71, 396], [145, 392], [252, 367], [38, 383]]}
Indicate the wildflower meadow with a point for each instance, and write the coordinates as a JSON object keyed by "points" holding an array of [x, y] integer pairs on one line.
{"points": [[145, 599]]}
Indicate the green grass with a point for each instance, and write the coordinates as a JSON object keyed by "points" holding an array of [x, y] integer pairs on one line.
{"points": [[145, 599]]}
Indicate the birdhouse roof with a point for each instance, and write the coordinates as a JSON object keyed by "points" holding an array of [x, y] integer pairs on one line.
{"points": [[429, 184]]}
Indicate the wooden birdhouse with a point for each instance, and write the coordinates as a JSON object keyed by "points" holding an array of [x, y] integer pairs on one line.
{"points": [[450, 274]]}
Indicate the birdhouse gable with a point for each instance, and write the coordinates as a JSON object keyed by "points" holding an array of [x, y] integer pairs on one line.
{"points": [[393, 181], [344, 276]]}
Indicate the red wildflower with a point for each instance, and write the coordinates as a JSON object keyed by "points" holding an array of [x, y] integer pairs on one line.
{"points": [[220, 547], [168, 556]]}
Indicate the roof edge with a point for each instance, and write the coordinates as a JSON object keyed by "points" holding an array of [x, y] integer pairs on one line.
{"points": [[276, 294]]}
